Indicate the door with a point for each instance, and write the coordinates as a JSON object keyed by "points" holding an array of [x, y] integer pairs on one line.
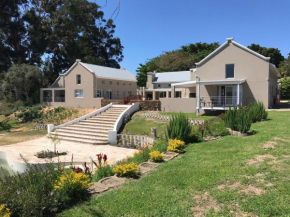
{"points": [[228, 95], [109, 94]]}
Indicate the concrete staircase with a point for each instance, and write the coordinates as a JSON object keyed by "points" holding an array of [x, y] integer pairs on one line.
{"points": [[93, 130]]}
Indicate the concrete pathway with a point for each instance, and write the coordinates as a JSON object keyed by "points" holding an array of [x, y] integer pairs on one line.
{"points": [[81, 152]]}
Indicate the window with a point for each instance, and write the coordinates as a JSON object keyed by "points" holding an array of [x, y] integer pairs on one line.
{"points": [[117, 93], [123, 83], [99, 93], [124, 93], [79, 94], [169, 85], [178, 94], [103, 81], [111, 82], [78, 79], [130, 84], [162, 95], [159, 85], [230, 70], [129, 93], [118, 82], [192, 95]]}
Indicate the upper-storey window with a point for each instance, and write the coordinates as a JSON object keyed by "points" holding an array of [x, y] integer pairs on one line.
{"points": [[230, 70], [111, 82], [79, 79], [118, 82], [103, 81]]}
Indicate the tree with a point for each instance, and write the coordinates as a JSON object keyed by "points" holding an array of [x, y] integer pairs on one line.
{"points": [[273, 53], [22, 82], [182, 59], [285, 88], [285, 66]]}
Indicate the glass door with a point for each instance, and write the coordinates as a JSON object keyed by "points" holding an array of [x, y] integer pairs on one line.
{"points": [[229, 95]]}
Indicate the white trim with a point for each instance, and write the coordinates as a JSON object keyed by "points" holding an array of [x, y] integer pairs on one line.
{"points": [[115, 79], [184, 83], [230, 40], [221, 82], [55, 81]]}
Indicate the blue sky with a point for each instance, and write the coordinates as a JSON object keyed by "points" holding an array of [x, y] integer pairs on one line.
{"points": [[149, 27]]}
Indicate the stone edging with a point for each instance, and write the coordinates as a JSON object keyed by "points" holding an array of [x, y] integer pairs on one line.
{"points": [[113, 182], [41, 127], [134, 141], [167, 118], [237, 133]]}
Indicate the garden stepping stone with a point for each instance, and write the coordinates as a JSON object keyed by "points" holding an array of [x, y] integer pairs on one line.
{"points": [[97, 188], [112, 181], [167, 156], [147, 167]]}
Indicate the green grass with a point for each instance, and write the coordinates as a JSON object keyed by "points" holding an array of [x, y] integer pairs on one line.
{"points": [[190, 115], [170, 190], [141, 126]]}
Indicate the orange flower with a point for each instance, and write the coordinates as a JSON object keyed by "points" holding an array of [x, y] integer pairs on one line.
{"points": [[106, 162], [145, 146], [99, 166]]}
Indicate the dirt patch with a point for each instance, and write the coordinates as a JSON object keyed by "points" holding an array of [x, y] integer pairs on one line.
{"points": [[203, 203], [281, 139], [252, 190], [270, 145], [97, 188], [22, 129], [169, 155], [261, 158], [234, 185], [147, 167], [112, 182], [237, 212]]}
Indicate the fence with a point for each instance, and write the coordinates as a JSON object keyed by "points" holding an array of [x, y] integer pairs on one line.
{"points": [[134, 141], [41, 127], [167, 118]]}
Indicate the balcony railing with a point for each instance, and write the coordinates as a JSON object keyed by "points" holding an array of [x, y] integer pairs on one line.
{"points": [[218, 101]]}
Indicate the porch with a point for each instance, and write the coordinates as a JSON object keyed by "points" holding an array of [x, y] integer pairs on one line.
{"points": [[51, 95]]}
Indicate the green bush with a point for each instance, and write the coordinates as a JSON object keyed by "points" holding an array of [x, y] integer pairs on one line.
{"points": [[230, 118], [7, 113], [179, 128], [18, 104], [103, 172], [216, 128], [238, 119], [59, 109], [258, 112], [20, 115], [160, 145], [285, 88]]}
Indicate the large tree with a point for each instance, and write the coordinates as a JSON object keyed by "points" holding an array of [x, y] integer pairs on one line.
{"points": [[274, 53], [177, 60], [284, 66], [22, 82]]}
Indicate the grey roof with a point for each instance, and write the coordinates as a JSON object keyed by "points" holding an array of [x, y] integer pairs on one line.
{"points": [[107, 72], [170, 77]]}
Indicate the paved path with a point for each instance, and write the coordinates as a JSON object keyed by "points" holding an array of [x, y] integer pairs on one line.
{"points": [[81, 152]]}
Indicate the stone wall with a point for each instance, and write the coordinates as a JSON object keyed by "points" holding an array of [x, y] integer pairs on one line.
{"points": [[167, 118], [148, 105], [134, 141]]}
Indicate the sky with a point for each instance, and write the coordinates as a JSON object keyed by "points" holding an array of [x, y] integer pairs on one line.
{"points": [[149, 27]]}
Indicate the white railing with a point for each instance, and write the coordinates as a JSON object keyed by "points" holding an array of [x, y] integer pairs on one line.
{"points": [[51, 128], [218, 101], [112, 134]]}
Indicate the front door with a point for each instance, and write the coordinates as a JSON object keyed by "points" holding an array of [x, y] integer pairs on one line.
{"points": [[109, 94], [228, 95]]}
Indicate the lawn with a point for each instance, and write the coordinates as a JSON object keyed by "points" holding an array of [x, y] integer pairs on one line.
{"points": [[232, 176]]}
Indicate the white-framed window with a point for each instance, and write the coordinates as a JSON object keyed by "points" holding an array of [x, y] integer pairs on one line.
{"points": [[117, 93], [79, 94], [103, 81], [129, 93], [124, 93], [118, 82], [99, 93], [110, 82], [124, 83], [178, 94], [162, 95], [230, 70], [79, 80]]}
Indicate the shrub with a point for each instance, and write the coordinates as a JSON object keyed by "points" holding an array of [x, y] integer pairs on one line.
{"points": [[20, 115], [7, 113], [59, 109], [244, 120], [103, 172], [156, 156], [126, 170], [258, 112], [4, 211], [216, 128], [159, 145], [71, 184], [179, 128], [18, 104], [285, 88], [230, 118], [176, 145]]}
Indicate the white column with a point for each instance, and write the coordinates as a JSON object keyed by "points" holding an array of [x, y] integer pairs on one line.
{"points": [[167, 94], [41, 95], [238, 94], [153, 95], [197, 97], [172, 91], [52, 93]]}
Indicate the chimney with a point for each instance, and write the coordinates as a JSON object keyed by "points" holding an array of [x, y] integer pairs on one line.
{"points": [[230, 39], [78, 60]]}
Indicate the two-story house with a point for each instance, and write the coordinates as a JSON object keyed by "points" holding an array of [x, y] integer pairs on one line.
{"points": [[231, 75], [85, 85]]}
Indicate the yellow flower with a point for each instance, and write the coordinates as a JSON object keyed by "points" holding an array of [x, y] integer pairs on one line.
{"points": [[4, 211], [126, 170], [176, 145], [156, 156]]}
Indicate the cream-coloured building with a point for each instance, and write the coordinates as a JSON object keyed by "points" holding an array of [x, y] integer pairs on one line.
{"points": [[231, 75], [85, 85]]}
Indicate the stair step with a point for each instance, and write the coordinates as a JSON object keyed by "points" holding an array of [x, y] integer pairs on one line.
{"points": [[105, 121], [84, 141], [92, 127], [77, 136], [99, 124], [81, 129], [86, 133], [104, 118]]}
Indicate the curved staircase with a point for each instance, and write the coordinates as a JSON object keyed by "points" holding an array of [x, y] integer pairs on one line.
{"points": [[93, 130]]}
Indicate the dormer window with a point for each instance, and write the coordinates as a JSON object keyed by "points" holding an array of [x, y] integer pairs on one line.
{"points": [[79, 79], [230, 70]]}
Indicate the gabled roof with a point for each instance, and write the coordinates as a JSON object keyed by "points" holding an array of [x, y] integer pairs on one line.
{"points": [[170, 77], [105, 72], [224, 45]]}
